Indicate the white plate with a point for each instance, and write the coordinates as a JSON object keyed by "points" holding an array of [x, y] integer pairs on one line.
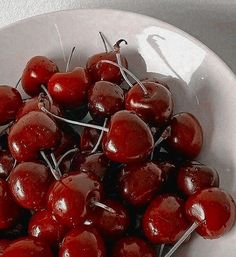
{"points": [[201, 83]]}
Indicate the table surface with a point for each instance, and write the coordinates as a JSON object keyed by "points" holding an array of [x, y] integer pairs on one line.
{"points": [[211, 21]]}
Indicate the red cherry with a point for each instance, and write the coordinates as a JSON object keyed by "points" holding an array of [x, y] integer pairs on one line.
{"points": [[37, 72], [133, 247], [104, 71], [214, 210], [110, 224], [164, 221], [32, 105], [186, 135], [45, 227], [83, 241], [9, 210], [69, 89], [6, 163], [194, 176], [3, 245], [105, 99], [29, 183], [156, 108], [10, 102], [28, 247], [129, 138], [32, 133], [139, 183], [70, 198]]}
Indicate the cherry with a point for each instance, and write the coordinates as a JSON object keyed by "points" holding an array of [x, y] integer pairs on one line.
{"points": [[157, 81], [3, 245], [186, 135], [37, 72], [194, 176], [69, 89], [29, 183], [213, 210], [9, 210], [110, 224], [105, 99], [129, 139], [83, 241], [6, 163], [45, 227], [154, 108], [96, 163], [29, 247], [10, 102], [133, 247], [139, 183], [71, 197], [32, 133], [32, 105], [164, 221]]}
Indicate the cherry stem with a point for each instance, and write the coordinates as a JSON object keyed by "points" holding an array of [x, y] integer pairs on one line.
{"points": [[100, 138], [182, 239], [54, 160], [103, 41], [128, 72], [53, 171], [161, 250], [18, 83], [47, 94], [103, 206], [66, 154], [69, 59]]}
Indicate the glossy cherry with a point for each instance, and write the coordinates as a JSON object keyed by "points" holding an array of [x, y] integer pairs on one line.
{"points": [[105, 99], [71, 197], [10, 102], [194, 176], [140, 183], [32, 133], [213, 210], [6, 163], [9, 210], [69, 89], [133, 247], [29, 247], [45, 227], [37, 72], [3, 245], [129, 139], [83, 241], [29, 184], [164, 221], [186, 135], [155, 108]]}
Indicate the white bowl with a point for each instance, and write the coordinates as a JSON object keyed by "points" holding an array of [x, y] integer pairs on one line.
{"points": [[201, 83]]}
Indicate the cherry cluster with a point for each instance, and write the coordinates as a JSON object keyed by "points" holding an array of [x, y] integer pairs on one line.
{"points": [[123, 186]]}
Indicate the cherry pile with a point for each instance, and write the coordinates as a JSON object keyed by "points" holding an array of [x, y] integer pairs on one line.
{"points": [[124, 186]]}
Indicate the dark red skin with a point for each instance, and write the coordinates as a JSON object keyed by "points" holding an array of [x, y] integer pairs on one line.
{"points": [[89, 138], [140, 183], [37, 72], [32, 133], [32, 105], [3, 245], [133, 247], [29, 247], [45, 227], [70, 198], [111, 225], [69, 89], [156, 108], [186, 136], [129, 139], [214, 210], [9, 210], [104, 71], [164, 221], [6, 163], [105, 99], [96, 163], [10, 103], [194, 176], [29, 183], [83, 241]]}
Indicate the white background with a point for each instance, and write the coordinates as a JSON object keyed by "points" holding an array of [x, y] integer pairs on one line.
{"points": [[211, 21]]}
